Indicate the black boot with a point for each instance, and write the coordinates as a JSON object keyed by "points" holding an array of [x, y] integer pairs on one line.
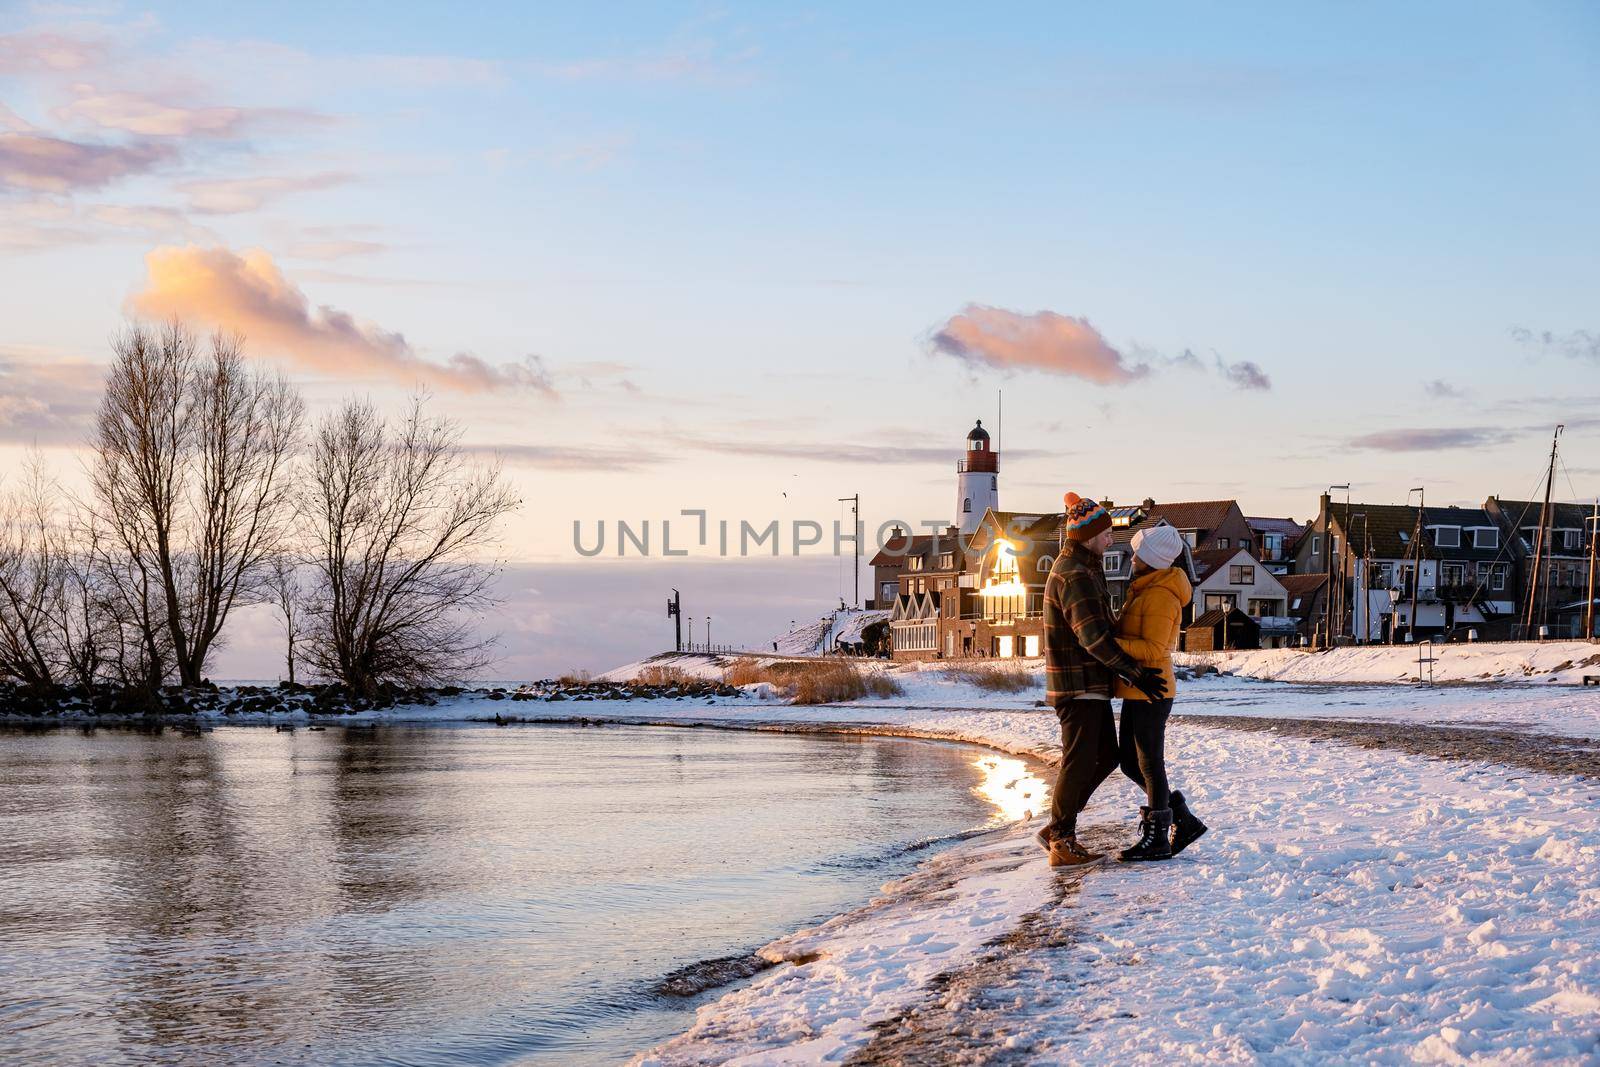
{"points": [[1154, 825], [1186, 829]]}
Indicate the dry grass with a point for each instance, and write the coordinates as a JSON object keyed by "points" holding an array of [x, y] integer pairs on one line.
{"points": [[577, 677], [665, 676], [813, 681], [745, 671], [996, 679]]}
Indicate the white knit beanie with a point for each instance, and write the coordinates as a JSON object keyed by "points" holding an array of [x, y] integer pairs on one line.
{"points": [[1158, 546]]}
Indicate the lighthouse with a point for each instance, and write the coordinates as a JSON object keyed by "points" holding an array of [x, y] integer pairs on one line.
{"points": [[977, 481]]}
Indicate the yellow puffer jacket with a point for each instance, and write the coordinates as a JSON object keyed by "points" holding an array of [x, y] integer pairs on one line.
{"points": [[1148, 627]]}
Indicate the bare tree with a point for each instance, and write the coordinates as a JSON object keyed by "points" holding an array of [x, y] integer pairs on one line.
{"points": [[53, 618], [400, 522], [32, 579], [191, 481], [288, 595]]}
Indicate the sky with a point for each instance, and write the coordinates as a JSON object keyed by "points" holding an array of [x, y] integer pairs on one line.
{"points": [[728, 258]]}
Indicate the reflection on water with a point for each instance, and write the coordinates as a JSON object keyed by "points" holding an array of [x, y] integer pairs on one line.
{"points": [[429, 895]]}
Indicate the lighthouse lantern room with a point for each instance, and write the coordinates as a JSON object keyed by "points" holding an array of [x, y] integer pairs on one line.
{"points": [[977, 481]]}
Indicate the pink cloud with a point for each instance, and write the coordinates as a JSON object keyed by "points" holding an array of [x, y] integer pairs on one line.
{"points": [[248, 293], [55, 165], [1046, 341]]}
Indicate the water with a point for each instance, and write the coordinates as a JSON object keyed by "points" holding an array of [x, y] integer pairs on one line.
{"points": [[427, 895]]}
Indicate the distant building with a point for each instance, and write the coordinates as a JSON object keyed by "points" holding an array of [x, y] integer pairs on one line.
{"points": [[1232, 578], [1010, 556], [1304, 593], [1451, 562], [1222, 628], [977, 481], [1564, 565], [1275, 541]]}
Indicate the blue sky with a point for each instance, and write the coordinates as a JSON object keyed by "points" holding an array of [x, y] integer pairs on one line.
{"points": [[729, 236]]}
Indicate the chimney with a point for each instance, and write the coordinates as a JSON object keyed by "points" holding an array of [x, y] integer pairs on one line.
{"points": [[1147, 503], [1107, 504]]}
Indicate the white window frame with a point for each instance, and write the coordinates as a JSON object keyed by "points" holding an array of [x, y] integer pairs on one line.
{"points": [[1439, 540], [1482, 533]]}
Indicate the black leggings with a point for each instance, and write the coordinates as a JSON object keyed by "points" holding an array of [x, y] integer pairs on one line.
{"points": [[1142, 748]]}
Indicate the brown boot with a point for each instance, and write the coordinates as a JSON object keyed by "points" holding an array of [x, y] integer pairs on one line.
{"points": [[1045, 836], [1066, 852]]}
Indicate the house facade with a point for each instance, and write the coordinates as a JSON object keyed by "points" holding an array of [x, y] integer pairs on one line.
{"points": [[1010, 556], [1232, 578], [1562, 591], [1447, 566], [1274, 542]]}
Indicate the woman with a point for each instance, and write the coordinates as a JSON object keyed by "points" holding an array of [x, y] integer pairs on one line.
{"points": [[1147, 630]]}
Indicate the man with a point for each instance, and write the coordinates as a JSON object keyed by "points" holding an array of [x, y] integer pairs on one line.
{"points": [[1081, 659]]}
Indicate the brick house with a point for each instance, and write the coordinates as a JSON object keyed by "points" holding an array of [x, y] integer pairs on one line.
{"points": [[1275, 541], [1010, 555]]}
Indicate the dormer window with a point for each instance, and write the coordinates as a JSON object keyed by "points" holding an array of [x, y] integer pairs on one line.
{"points": [[1111, 561], [1485, 537], [1447, 536]]}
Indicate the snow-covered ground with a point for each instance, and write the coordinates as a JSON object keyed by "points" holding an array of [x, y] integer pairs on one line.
{"points": [[1347, 907], [1550, 662]]}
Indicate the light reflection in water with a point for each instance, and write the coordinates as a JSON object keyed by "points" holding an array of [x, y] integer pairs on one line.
{"points": [[1015, 791]]}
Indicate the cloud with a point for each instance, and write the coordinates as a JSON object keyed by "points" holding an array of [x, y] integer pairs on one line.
{"points": [[234, 196], [1430, 440], [149, 116], [862, 452], [1244, 375], [55, 165], [1045, 341], [43, 52], [1578, 344], [48, 403], [248, 293], [1440, 389], [571, 458], [330, 250]]}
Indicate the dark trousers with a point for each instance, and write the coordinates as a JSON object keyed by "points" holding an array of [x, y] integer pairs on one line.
{"points": [[1143, 748], [1088, 756]]}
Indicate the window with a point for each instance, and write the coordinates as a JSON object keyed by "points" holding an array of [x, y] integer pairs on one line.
{"points": [[1405, 537], [1116, 601], [913, 563], [1297, 602], [886, 590], [1272, 544], [1316, 544], [1045, 563], [966, 506], [1030, 646], [947, 561], [1188, 537], [1497, 578], [1223, 601], [1260, 607], [1241, 574], [1485, 537], [1382, 576], [1529, 535], [1453, 574], [1447, 536], [1569, 540], [1111, 561], [1222, 542]]}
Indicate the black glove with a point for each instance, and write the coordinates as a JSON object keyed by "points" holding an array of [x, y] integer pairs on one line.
{"points": [[1149, 681]]}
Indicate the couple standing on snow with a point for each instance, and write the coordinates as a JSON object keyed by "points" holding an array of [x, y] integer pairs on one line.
{"points": [[1091, 657]]}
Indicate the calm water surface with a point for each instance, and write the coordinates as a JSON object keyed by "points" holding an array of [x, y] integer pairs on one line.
{"points": [[426, 895]]}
